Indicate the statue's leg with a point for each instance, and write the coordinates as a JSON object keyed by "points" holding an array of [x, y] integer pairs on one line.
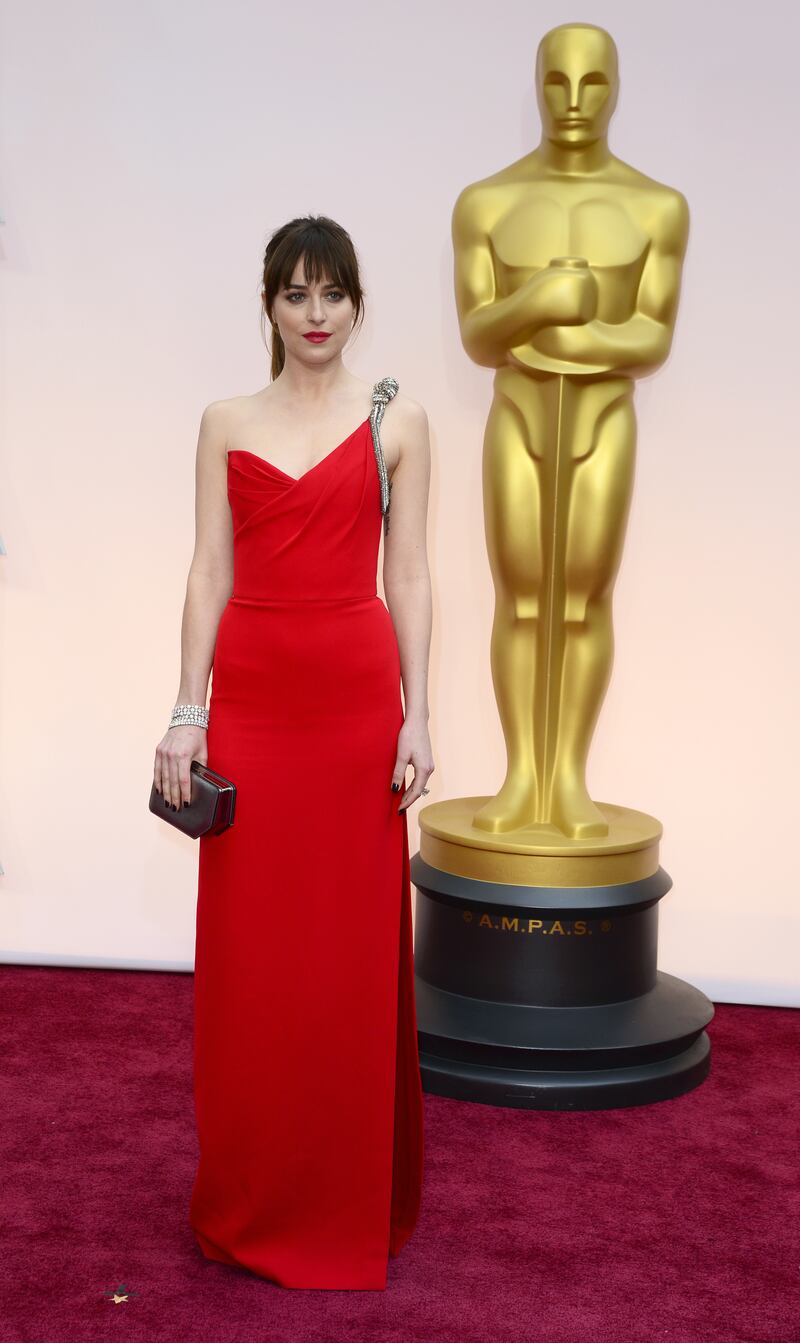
{"points": [[600, 499], [512, 519]]}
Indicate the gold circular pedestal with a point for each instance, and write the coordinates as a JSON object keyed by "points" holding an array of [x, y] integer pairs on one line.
{"points": [[539, 855]]}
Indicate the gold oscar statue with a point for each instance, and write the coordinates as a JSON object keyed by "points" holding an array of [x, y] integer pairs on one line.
{"points": [[567, 275], [536, 932]]}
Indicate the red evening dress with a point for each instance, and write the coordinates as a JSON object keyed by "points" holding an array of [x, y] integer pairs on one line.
{"points": [[307, 1089]]}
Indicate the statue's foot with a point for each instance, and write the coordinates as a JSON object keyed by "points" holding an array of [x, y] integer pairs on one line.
{"points": [[574, 812], [511, 808]]}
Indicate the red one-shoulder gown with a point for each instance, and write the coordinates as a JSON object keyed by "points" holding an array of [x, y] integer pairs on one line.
{"points": [[307, 1090]]}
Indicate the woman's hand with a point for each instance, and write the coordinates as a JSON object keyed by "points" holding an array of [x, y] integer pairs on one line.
{"points": [[174, 755], [413, 748]]}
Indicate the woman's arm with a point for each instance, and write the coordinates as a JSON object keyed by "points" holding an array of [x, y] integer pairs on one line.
{"points": [[407, 584], [208, 587]]}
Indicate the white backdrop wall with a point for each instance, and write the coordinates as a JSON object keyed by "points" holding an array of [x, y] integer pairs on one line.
{"points": [[148, 150]]}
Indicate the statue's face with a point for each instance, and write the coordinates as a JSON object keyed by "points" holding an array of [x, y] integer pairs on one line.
{"points": [[576, 84]]}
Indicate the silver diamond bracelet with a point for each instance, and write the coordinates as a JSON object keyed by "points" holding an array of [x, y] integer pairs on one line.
{"points": [[196, 715]]}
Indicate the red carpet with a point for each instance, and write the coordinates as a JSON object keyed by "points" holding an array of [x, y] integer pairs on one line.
{"points": [[676, 1222]]}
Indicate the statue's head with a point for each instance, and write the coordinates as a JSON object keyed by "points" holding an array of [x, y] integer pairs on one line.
{"points": [[576, 81]]}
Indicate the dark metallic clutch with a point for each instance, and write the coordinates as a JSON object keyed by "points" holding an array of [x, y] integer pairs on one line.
{"points": [[211, 807]]}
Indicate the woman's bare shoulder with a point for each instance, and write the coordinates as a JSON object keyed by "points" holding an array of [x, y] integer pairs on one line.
{"points": [[229, 406], [409, 414], [222, 418], [405, 431]]}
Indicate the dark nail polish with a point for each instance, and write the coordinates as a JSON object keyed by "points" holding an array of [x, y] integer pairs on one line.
{"points": [[395, 788], [166, 804], [174, 808]]}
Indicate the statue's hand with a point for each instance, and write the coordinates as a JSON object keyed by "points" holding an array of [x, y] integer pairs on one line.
{"points": [[564, 295]]}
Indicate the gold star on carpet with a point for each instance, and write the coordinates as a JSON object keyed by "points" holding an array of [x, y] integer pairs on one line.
{"points": [[119, 1293]]}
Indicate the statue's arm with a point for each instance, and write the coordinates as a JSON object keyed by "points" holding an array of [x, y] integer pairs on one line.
{"points": [[489, 325], [641, 343]]}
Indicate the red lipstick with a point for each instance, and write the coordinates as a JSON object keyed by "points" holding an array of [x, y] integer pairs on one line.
{"points": [[317, 337]]}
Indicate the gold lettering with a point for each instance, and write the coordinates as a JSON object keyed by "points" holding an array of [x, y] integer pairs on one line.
{"points": [[556, 928], [510, 923], [486, 921], [533, 924], [580, 927]]}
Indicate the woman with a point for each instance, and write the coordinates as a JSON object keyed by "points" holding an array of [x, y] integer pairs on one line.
{"points": [[307, 1088]]}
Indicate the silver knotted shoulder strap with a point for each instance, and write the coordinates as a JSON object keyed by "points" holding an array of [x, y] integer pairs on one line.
{"points": [[382, 394]]}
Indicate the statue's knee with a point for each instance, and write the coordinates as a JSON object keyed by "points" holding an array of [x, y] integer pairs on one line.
{"points": [[526, 606], [580, 608], [575, 608], [584, 608]]}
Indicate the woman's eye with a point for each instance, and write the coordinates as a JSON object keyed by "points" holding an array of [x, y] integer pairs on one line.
{"points": [[333, 293]]}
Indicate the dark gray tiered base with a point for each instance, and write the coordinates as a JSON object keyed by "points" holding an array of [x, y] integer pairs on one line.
{"points": [[548, 998]]}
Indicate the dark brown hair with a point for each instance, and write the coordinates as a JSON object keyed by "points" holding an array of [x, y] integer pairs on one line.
{"points": [[327, 252]]}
